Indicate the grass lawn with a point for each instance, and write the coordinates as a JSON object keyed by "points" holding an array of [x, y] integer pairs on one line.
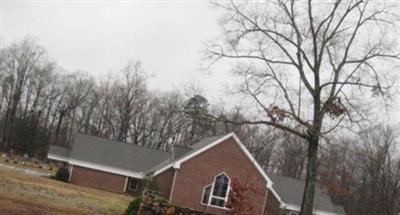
{"points": [[30, 195]]}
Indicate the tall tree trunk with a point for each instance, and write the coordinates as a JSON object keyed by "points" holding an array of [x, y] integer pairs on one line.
{"points": [[46, 121], [11, 121], [27, 101], [1, 102], [58, 128], [88, 118], [311, 180], [314, 132], [6, 119]]}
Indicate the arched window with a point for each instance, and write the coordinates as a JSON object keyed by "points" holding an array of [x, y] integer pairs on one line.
{"points": [[216, 194]]}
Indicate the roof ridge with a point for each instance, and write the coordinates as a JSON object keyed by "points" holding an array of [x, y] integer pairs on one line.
{"points": [[122, 142], [211, 137]]}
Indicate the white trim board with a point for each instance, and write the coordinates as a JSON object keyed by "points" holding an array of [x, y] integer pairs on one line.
{"points": [[177, 164], [173, 186], [258, 167], [109, 169], [70, 172], [98, 167], [126, 183]]}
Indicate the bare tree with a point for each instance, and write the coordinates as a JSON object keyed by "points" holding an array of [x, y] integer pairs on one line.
{"points": [[379, 168], [290, 156], [362, 172], [75, 89], [313, 62], [102, 114], [129, 97], [18, 62]]}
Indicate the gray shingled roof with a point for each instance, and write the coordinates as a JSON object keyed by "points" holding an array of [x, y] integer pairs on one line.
{"points": [[60, 151], [122, 155], [199, 145], [206, 141], [203, 143], [291, 192], [115, 154]]}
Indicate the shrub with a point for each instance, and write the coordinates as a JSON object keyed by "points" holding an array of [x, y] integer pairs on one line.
{"points": [[133, 207], [148, 183], [280, 212], [62, 174], [238, 203]]}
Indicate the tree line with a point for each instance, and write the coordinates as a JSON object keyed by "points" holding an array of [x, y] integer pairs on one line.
{"points": [[42, 104]]}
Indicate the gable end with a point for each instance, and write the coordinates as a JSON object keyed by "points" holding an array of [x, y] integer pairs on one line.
{"points": [[269, 183]]}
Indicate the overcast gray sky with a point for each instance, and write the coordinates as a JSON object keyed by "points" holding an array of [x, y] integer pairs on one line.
{"points": [[102, 36]]}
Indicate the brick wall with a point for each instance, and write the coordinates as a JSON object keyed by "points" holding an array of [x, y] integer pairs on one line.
{"points": [[272, 206], [98, 179], [164, 182], [200, 171]]}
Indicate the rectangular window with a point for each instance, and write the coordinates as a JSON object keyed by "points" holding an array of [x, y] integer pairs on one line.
{"points": [[133, 184], [293, 213]]}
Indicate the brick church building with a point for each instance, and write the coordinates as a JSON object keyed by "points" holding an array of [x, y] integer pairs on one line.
{"points": [[196, 177]]}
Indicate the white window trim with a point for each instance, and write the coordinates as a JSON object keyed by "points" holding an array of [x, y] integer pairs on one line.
{"points": [[129, 188], [217, 197], [202, 195]]}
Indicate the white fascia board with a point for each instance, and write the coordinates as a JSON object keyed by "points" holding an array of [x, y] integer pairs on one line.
{"points": [[109, 169], [177, 164], [220, 140], [258, 167], [165, 168], [316, 212], [103, 168], [57, 157]]}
